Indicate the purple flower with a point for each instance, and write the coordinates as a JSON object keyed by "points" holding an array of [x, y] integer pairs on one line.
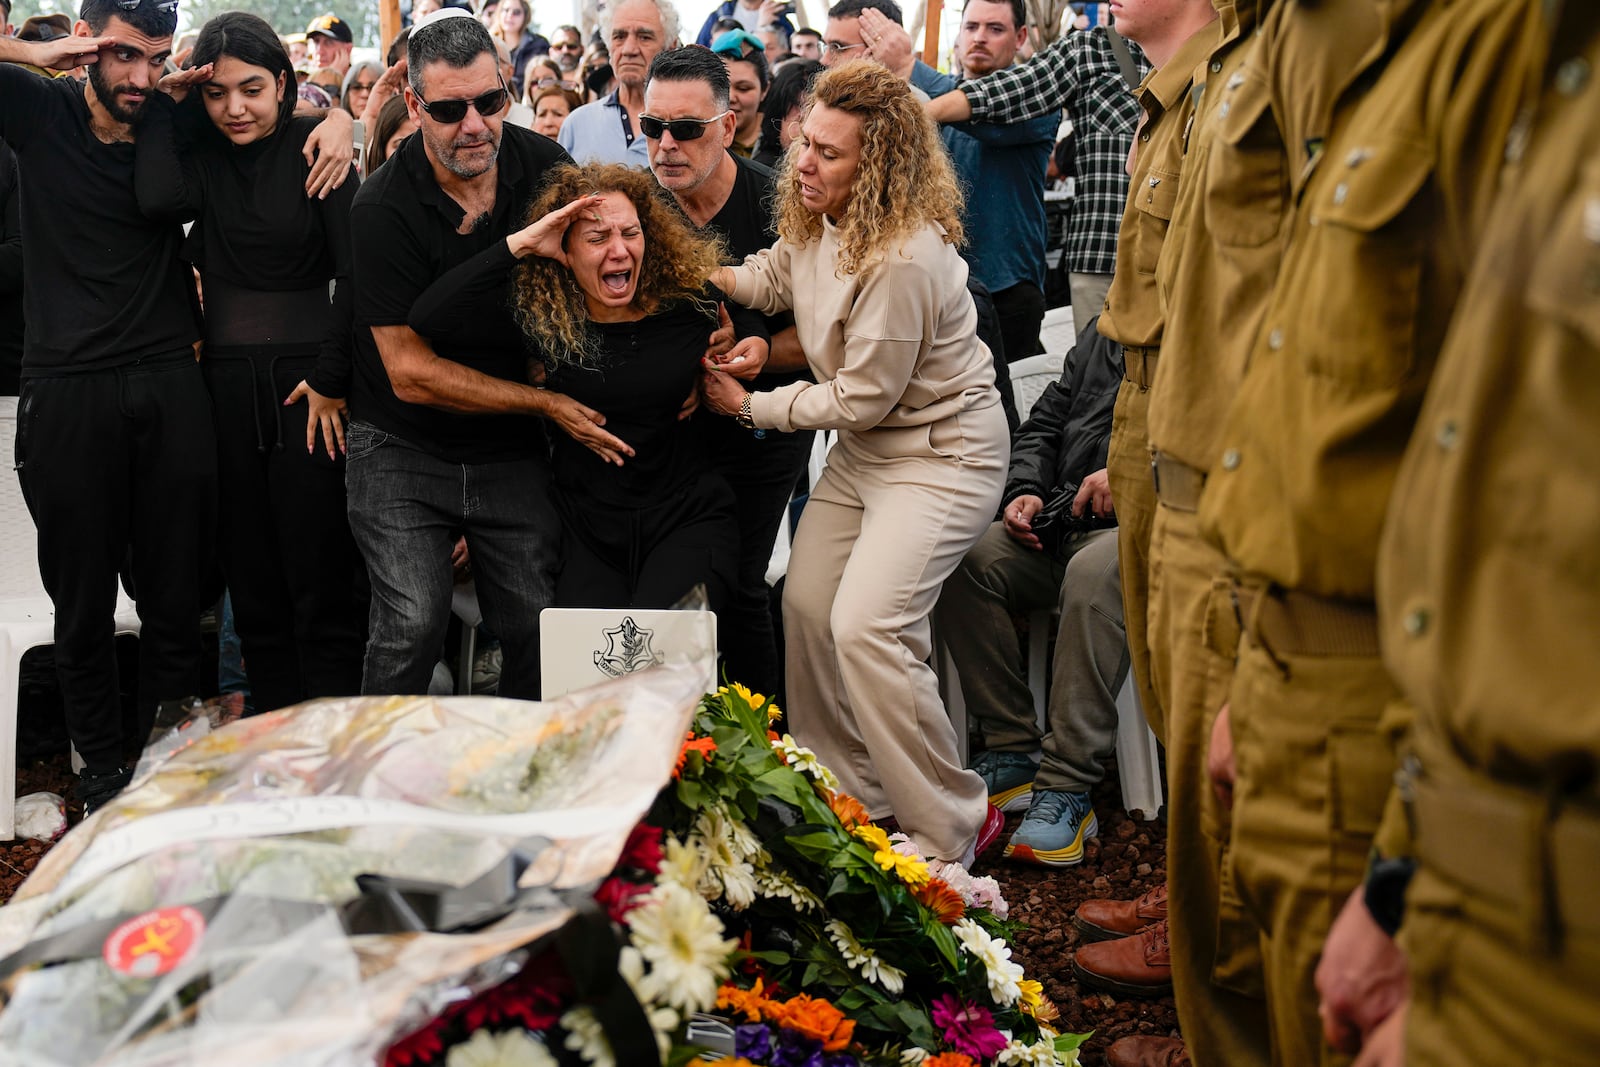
{"points": [[839, 1059], [968, 1027], [753, 1041], [795, 1050]]}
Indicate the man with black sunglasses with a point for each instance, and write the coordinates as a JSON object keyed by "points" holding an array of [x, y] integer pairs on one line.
{"points": [[690, 129], [442, 438]]}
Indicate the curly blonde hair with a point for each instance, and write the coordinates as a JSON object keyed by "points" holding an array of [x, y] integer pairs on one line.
{"points": [[904, 179], [550, 307]]}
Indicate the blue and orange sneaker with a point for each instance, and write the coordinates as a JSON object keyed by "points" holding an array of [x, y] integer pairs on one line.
{"points": [[1054, 830]]}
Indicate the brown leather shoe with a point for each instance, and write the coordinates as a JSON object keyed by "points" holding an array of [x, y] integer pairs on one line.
{"points": [[1101, 920], [1147, 1052], [1139, 965]]}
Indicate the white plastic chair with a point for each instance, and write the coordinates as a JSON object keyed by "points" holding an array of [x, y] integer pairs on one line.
{"points": [[27, 617], [1058, 333], [1030, 377]]}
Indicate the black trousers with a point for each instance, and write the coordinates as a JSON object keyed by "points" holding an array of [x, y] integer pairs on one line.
{"points": [[1021, 312], [117, 465], [649, 557], [290, 561], [763, 473]]}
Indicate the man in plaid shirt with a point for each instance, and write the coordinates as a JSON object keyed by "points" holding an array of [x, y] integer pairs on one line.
{"points": [[1080, 73]]}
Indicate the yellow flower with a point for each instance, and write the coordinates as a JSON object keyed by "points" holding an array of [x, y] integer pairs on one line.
{"points": [[755, 700], [873, 837], [909, 869], [1032, 995]]}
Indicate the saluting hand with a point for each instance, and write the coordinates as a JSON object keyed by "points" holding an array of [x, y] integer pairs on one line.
{"points": [[179, 82], [545, 237], [67, 53]]}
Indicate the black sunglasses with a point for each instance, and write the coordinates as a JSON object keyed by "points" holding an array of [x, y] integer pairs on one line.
{"points": [[166, 6], [682, 129], [451, 112]]}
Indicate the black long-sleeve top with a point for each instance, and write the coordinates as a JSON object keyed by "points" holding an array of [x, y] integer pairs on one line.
{"points": [[105, 284], [639, 379], [265, 251], [11, 314]]}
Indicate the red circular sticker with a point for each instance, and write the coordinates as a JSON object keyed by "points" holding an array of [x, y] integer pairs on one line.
{"points": [[154, 943]]}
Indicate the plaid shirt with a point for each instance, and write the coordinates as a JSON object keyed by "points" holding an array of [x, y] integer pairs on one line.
{"points": [[1078, 72]]}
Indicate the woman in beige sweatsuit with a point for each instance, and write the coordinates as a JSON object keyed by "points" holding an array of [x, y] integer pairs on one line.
{"points": [[869, 221]]}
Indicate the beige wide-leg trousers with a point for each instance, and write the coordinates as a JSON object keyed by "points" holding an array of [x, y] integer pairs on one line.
{"points": [[888, 521]]}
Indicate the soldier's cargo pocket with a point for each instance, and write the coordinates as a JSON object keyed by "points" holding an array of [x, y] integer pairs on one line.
{"points": [[1247, 182], [1371, 219]]}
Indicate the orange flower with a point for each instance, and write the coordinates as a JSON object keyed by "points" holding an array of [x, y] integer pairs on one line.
{"points": [[748, 1002], [944, 902], [705, 746], [949, 1059], [850, 811], [1046, 1012], [816, 1019]]}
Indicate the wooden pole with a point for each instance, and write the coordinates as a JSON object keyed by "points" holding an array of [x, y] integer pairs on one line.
{"points": [[388, 23], [930, 34]]}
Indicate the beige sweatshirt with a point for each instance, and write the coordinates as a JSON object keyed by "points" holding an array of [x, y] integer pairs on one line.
{"points": [[898, 347]]}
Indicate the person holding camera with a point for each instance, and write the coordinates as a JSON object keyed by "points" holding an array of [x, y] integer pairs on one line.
{"points": [[1056, 543]]}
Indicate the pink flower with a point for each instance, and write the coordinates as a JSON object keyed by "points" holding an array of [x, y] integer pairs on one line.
{"points": [[968, 1027]]}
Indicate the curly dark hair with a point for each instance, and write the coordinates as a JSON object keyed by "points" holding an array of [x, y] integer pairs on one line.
{"points": [[550, 306]]}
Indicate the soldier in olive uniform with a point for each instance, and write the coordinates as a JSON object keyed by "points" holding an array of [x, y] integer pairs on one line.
{"points": [[1389, 201], [1215, 274], [1489, 605]]}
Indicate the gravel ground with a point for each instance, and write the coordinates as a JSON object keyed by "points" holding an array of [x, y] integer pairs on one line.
{"points": [[1128, 858]]}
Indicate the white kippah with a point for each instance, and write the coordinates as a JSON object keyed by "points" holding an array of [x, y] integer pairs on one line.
{"points": [[433, 18]]}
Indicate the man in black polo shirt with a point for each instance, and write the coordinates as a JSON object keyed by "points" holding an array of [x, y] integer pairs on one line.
{"points": [[731, 196], [114, 439], [442, 439]]}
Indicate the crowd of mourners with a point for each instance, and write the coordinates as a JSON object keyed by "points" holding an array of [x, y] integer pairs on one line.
{"points": [[570, 316]]}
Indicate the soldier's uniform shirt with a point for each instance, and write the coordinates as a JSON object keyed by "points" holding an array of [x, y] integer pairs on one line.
{"points": [[1388, 198], [1132, 317], [1489, 605]]}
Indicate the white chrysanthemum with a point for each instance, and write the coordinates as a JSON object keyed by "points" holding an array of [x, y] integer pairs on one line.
{"points": [[513, 1048], [995, 955], [663, 1021], [683, 863], [682, 941], [873, 967], [587, 1037], [803, 759], [1038, 1054], [729, 845], [777, 885]]}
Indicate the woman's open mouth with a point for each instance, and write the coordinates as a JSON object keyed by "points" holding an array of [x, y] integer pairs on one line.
{"points": [[617, 282]]}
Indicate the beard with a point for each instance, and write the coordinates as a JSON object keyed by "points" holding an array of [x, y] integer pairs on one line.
{"points": [[106, 93], [445, 150]]}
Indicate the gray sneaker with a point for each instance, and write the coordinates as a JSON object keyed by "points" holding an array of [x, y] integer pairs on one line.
{"points": [[1009, 776], [1054, 830]]}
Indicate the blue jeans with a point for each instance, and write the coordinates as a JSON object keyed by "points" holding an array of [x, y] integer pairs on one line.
{"points": [[406, 509]]}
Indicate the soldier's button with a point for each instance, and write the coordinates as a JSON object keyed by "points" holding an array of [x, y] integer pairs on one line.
{"points": [[1448, 434], [1216, 66], [1417, 621], [1230, 460], [1275, 340], [1572, 76]]}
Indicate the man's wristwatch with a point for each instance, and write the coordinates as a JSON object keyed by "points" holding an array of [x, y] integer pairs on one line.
{"points": [[744, 418]]}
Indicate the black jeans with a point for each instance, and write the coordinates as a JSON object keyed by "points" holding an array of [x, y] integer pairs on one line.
{"points": [[121, 464], [1021, 311], [286, 548], [406, 508], [763, 473]]}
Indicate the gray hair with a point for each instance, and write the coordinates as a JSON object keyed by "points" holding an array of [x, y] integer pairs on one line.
{"points": [[669, 20], [458, 42]]}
